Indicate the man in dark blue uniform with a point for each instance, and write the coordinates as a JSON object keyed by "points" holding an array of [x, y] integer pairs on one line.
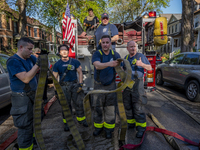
{"points": [[135, 98], [67, 68], [104, 61], [105, 28], [91, 22], [22, 68]]}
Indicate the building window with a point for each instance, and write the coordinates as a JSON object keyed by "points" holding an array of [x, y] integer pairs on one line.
{"points": [[8, 23], [176, 28], [196, 24], [29, 31], [43, 35], [15, 27], [35, 32], [172, 29], [9, 43], [1, 43]]}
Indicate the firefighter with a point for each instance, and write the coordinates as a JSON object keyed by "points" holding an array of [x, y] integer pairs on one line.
{"points": [[104, 61], [106, 29], [91, 22], [67, 68], [135, 98], [22, 68]]}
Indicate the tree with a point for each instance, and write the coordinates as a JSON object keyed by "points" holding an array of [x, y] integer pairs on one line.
{"points": [[187, 25], [127, 10]]}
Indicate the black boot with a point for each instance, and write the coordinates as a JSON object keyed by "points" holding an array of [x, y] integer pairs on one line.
{"points": [[84, 122], [97, 131], [131, 125], [139, 134], [66, 128], [108, 134]]}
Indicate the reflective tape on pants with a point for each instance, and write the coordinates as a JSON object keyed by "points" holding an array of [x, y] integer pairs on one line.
{"points": [[141, 124], [98, 125], [131, 121], [109, 126], [80, 118], [64, 121], [28, 148]]}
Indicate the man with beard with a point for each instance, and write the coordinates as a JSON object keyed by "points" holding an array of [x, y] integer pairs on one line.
{"points": [[22, 68], [66, 69], [104, 62], [91, 22]]}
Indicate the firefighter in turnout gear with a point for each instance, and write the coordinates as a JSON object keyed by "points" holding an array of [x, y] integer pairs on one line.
{"points": [[135, 98], [22, 68], [67, 68], [91, 22], [104, 61]]}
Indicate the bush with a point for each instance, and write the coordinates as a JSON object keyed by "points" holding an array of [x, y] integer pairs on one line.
{"points": [[177, 52]]}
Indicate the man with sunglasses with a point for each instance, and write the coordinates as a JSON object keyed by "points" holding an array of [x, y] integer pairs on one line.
{"points": [[105, 28]]}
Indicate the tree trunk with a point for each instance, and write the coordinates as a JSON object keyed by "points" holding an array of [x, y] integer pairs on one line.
{"points": [[22, 17], [187, 26]]}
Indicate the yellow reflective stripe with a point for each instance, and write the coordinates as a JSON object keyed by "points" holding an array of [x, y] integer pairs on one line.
{"points": [[134, 61], [127, 57], [113, 52], [80, 118], [100, 52], [64, 121], [131, 121], [29, 148], [33, 134], [98, 125], [141, 124], [109, 126]]}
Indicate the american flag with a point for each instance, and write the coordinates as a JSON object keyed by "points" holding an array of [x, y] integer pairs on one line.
{"points": [[68, 28]]}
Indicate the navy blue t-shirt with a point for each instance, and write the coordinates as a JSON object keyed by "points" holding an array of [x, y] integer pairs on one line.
{"points": [[106, 75], [103, 30], [14, 67], [61, 66], [139, 69]]}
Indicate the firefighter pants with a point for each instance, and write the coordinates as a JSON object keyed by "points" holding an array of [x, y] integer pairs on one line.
{"points": [[105, 107], [70, 91], [133, 100], [22, 113]]}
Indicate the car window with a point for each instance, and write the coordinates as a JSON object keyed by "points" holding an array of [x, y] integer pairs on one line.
{"points": [[177, 59], [191, 59], [3, 60]]}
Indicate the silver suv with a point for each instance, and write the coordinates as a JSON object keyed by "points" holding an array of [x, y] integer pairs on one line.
{"points": [[183, 70], [5, 91]]}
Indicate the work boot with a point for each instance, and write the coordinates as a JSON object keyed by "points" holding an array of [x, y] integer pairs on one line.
{"points": [[139, 134], [97, 131], [66, 128], [131, 125], [108, 134], [84, 122]]}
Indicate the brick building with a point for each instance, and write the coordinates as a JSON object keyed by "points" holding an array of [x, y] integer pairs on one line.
{"points": [[42, 35]]}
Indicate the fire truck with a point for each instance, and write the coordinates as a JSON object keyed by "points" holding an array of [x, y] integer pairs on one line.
{"points": [[141, 31]]}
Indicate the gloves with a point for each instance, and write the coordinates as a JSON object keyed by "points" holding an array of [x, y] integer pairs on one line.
{"points": [[80, 85], [38, 61], [43, 51]]}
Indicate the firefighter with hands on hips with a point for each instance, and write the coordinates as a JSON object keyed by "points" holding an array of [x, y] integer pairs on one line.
{"points": [[91, 22], [22, 68], [104, 61], [66, 69], [105, 28], [135, 98]]}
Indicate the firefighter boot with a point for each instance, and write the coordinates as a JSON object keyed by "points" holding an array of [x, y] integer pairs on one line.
{"points": [[131, 125], [84, 122], [140, 132], [66, 128], [97, 131], [108, 134]]}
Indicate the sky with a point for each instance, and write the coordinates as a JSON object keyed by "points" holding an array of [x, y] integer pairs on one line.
{"points": [[175, 7]]}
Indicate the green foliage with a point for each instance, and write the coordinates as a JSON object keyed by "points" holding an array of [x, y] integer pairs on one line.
{"points": [[127, 10], [177, 52]]}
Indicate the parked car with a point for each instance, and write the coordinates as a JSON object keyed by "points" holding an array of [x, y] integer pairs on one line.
{"points": [[183, 70], [5, 91]]}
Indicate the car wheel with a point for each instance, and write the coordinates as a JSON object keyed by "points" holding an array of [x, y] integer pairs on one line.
{"points": [[193, 91], [159, 80]]}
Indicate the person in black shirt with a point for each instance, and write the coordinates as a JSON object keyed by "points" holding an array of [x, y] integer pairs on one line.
{"points": [[91, 22]]}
